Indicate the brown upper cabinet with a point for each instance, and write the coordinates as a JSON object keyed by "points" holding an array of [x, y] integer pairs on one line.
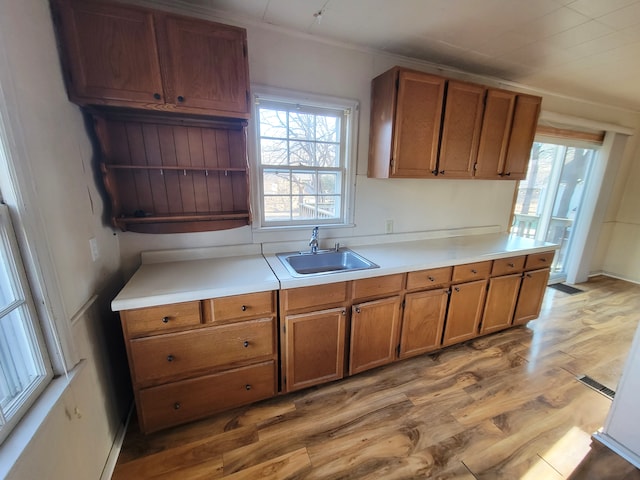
{"points": [[126, 56], [426, 126]]}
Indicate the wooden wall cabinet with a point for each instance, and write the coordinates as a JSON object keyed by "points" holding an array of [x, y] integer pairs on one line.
{"points": [[485, 133], [406, 116], [126, 56], [186, 363]]}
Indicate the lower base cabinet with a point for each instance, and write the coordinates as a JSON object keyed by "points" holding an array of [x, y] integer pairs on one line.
{"points": [[374, 333], [531, 295], [313, 348], [465, 309], [423, 322], [180, 402], [501, 303]]}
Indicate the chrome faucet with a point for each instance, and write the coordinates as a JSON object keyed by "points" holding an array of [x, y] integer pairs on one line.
{"points": [[313, 243]]}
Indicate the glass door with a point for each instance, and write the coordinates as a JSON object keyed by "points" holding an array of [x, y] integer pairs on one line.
{"points": [[550, 198]]}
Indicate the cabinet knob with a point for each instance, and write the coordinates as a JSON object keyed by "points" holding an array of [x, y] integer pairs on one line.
{"points": [[165, 319], [157, 96], [170, 358], [246, 344], [441, 172], [357, 309], [543, 259], [176, 406], [344, 312], [474, 271], [457, 289], [508, 174], [431, 279], [511, 265], [435, 171], [180, 98], [244, 308], [247, 387], [528, 275]]}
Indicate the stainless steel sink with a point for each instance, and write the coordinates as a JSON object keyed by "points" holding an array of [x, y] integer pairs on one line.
{"points": [[301, 264]]}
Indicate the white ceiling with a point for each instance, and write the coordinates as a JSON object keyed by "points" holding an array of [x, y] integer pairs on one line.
{"points": [[581, 48]]}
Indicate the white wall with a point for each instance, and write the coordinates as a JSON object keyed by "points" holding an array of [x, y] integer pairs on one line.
{"points": [[284, 59], [65, 208]]}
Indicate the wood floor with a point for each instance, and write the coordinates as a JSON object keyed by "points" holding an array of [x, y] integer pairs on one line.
{"points": [[503, 406]]}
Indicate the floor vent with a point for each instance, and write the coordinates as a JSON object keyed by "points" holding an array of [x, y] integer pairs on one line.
{"points": [[566, 288], [597, 386]]}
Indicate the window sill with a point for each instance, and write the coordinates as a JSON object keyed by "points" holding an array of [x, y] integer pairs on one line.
{"points": [[22, 435]]}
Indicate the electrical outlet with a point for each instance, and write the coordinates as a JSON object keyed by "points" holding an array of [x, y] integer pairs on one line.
{"points": [[93, 245], [388, 228]]}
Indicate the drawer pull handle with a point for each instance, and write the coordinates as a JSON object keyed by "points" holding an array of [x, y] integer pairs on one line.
{"points": [[474, 271], [511, 265], [246, 344], [247, 387], [170, 358], [528, 275], [431, 279], [543, 259], [165, 319], [357, 309], [457, 289], [244, 308], [176, 406]]}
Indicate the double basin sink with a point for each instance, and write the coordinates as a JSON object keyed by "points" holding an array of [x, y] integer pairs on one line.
{"points": [[323, 262]]}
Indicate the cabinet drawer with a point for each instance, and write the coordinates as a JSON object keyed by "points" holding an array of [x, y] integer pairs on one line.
{"points": [[505, 266], [377, 286], [435, 277], [187, 400], [165, 318], [173, 355], [471, 271], [539, 260], [315, 296], [237, 307]]}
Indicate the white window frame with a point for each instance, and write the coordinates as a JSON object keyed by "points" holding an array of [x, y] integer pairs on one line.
{"points": [[351, 111], [10, 417]]}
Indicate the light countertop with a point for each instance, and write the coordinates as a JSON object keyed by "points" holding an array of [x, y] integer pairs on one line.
{"points": [[180, 281]]}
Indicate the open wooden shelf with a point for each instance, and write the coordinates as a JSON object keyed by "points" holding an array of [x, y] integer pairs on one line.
{"points": [[173, 175]]}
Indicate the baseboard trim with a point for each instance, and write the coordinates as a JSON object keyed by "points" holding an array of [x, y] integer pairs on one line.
{"points": [[617, 277], [112, 459], [618, 448]]}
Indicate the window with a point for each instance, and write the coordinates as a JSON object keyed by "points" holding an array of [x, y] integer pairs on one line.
{"points": [[24, 367], [549, 200], [303, 156]]}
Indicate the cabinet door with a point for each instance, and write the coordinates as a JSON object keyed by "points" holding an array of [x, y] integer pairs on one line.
{"points": [[417, 124], [523, 129], [465, 309], [313, 348], [494, 137], [111, 53], [422, 322], [374, 333], [204, 64], [461, 129], [531, 295], [500, 303]]}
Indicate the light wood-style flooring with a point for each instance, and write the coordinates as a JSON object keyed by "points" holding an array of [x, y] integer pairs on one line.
{"points": [[504, 406]]}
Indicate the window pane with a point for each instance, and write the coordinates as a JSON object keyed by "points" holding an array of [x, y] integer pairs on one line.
{"points": [[303, 183], [304, 208], [20, 360], [329, 206], [277, 208], [277, 182], [328, 155], [273, 123], [274, 152], [327, 129], [329, 183], [302, 125], [303, 153]]}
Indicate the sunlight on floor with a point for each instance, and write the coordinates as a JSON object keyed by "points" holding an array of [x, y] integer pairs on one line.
{"points": [[564, 456]]}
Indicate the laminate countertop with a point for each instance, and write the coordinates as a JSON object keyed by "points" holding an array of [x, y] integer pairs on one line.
{"points": [[182, 281]]}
